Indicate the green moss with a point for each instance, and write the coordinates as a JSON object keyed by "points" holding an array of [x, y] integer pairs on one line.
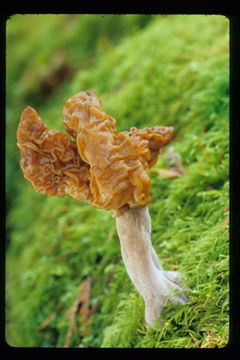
{"points": [[167, 70]]}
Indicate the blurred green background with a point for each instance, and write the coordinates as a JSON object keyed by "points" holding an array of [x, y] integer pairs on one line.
{"points": [[148, 70]]}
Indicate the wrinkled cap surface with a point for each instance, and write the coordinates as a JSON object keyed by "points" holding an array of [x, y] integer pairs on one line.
{"points": [[101, 166]]}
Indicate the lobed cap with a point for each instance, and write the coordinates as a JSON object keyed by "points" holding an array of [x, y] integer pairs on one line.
{"points": [[101, 166]]}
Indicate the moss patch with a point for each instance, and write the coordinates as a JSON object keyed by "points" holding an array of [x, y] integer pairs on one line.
{"points": [[148, 70]]}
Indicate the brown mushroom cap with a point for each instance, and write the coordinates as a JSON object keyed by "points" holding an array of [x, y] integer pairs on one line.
{"points": [[102, 166], [50, 160]]}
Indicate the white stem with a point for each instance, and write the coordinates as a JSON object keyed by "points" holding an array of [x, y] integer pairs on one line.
{"points": [[143, 265]]}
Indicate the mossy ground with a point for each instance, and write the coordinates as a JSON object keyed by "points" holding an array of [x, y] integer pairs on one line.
{"points": [[148, 70]]}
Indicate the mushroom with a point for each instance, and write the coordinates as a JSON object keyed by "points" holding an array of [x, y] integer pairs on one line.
{"points": [[107, 169]]}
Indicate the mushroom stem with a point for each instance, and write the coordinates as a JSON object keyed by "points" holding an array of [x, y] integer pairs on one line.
{"points": [[155, 285]]}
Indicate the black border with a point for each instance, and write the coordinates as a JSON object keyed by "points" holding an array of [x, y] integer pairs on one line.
{"points": [[234, 18]]}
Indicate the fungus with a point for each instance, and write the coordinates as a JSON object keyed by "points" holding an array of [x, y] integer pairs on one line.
{"points": [[107, 169]]}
